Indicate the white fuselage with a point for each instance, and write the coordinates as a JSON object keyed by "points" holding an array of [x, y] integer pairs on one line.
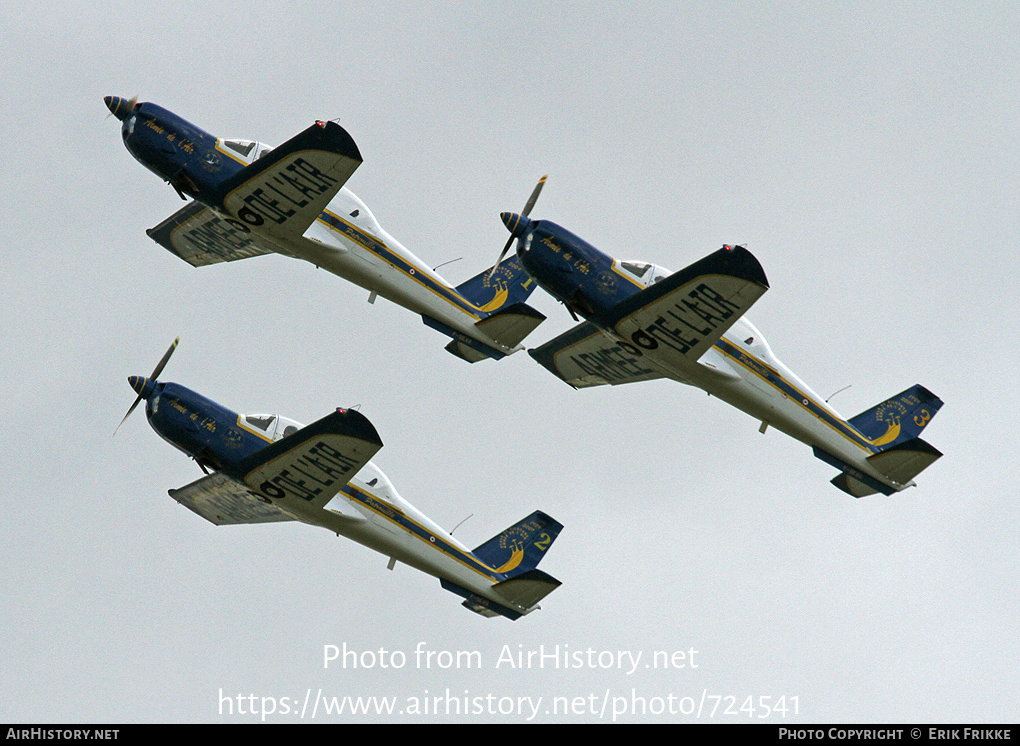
{"points": [[742, 371], [348, 241], [374, 515]]}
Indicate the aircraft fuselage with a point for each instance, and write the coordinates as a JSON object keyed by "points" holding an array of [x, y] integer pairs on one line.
{"points": [[345, 239], [367, 510], [740, 368]]}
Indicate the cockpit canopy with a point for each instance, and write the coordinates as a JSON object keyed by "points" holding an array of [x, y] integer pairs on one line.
{"points": [[245, 151], [644, 272], [269, 426]]}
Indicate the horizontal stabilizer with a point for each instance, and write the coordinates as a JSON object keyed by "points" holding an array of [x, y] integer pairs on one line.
{"points": [[584, 356], [904, 461], [853, 481], [463, 346], [315, 462], [224, 501], [511, 324], [464, 352], [528, 588], [479, 604], [853, 487], [479, 609], [201, 236]]}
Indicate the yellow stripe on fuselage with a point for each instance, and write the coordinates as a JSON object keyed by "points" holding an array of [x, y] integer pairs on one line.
{"points": [[357, 238], [371, 497], [804, 401], [244, 427]]}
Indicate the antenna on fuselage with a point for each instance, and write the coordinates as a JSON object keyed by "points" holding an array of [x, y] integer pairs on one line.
{"points": [[460, 524], [840, 391], [451, 261]]}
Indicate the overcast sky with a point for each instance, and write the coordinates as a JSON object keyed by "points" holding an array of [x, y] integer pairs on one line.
{"points": [[868, 156]]}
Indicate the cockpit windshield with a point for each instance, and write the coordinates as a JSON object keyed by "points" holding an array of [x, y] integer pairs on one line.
{"points": [[242, 147], [645, 273], [243, 150], [261, 422], [638, 269], [269, 426]]}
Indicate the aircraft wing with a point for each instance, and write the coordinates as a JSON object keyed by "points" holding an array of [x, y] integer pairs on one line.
{"points": [[282, 192], [586, 356], [201, 236], [223, 501], [682, 316], [315, 462]]}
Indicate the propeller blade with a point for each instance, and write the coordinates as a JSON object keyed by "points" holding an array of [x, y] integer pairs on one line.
{"points": [[155, 374], [534, 196], [130, 410], [527, 211], [509, 243], [162, 363]]}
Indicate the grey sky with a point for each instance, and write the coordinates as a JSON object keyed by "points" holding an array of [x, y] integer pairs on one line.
{"points": [[866, 154]]}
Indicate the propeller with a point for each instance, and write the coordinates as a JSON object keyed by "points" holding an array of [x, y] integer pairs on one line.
{"points": [[139, 385], [527, 211]]}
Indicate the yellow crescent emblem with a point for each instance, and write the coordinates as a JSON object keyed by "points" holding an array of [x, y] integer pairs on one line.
{"points": [[498, 301], [515, 559], [890, 435]]}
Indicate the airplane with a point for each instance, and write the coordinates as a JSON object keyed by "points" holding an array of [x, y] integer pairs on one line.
{"points": [[643, 322], [264, 468], [250, 199]]}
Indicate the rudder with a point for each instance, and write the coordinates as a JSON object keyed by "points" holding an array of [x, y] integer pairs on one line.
{"points": [[898, 419], [521, 547], [510, 284]]}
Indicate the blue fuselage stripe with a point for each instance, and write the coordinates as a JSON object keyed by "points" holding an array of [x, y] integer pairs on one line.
{"points": [[382, 251], [774, 379], [394, 515]]}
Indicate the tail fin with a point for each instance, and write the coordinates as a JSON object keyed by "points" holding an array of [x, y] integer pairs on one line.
{"points": [[893, 427], [510, 284], [898, 419], [520, 548], [505, 318]]}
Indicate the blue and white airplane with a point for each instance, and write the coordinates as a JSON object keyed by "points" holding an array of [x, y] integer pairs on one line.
{"points": [[251, 199], [645, 322], [263, 468]]}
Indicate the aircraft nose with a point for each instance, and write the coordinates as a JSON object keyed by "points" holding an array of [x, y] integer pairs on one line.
{"points": [[141, 385], [119, 107], [514, 222]]}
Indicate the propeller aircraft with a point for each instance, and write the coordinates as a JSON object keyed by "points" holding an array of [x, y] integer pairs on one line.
{"points": [[644, 322], [248, 199], [263, 468]]}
